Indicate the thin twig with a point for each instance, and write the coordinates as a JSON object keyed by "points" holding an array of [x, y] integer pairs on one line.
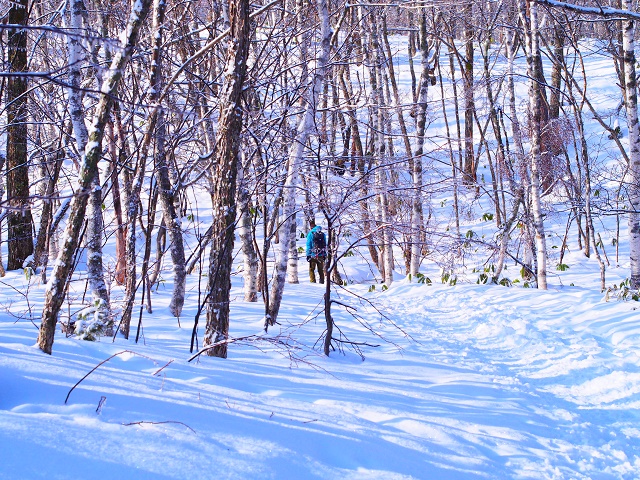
{"points": [[159, 370], [102, 363]]}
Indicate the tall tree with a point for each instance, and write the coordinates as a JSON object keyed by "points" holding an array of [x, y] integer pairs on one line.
{"points": [[167, 191], [304, 131], [529, 13], [633, 173], [95, 222], [20, 237], [470, 164], [416, 167], [224, 176], [56, 288]]}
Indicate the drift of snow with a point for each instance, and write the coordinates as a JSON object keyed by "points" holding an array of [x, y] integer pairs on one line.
{"points": [[475, 382]]}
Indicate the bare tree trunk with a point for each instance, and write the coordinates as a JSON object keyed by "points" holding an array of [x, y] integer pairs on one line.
{"points": [[456, 104], [167, 191], [633, 173], [52, 172], [416, 214], [19, 221], [225, 172], [305, 127], [535, 107], [246, 240], [416, 172], [95, 223], [375, 61], [117, 157], [470, 167], [133, 197], [292, 266], [513, 111], [454, 168], [556, 71], [56, 288], [2, 165]]}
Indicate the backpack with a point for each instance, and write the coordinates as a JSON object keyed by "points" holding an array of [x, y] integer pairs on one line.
{"points": [[319, 244]]}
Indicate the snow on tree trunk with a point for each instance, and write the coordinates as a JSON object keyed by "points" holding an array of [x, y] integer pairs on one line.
{"points": [[633, 173], [246, 240], [292, 264], [56, 288], [100, 321], [535, 110], [173, 225], [167, 191], [223, 196], [305, 128], [416, 171], [77, 61]]}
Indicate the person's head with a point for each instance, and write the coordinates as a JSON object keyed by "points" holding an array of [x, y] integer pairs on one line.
{"points": [[319, 228]]}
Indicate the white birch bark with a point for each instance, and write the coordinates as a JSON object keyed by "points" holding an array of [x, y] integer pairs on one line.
{"points": [[535, 106], [304, 130], [102, 322], [515, 124], [250, 257], [167, 191], [292, 263], [633, 173], [55, 290], [381, 175], [416, 171]]}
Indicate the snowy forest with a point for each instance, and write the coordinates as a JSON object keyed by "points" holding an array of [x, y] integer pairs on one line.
{"points": [[166, 159], [118, 118]]}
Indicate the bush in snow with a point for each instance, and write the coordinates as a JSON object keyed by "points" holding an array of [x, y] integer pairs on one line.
{"points": [[92, 322]]}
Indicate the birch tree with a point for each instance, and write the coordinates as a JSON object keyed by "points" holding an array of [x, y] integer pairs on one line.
{"points": [[633, 172], [63, 268], [303, 133], [167, 191], [416, 171], [529, 14], [95, 223]]}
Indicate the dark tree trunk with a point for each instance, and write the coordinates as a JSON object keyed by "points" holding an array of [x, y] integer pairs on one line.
{"points": [[224, 176], [19, 222], [556, 72], [470, 166]]}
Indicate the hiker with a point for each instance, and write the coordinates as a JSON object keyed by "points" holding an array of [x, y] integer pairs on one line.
{"points": [[316, 252]]}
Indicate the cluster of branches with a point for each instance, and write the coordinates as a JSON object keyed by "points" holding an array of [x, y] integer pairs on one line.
{"points": [[190, 122]]}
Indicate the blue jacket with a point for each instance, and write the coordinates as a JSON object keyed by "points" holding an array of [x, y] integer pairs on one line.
{"points": [[312, 250]]}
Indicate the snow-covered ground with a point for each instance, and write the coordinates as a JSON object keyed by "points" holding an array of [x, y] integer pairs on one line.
{"points": [[469, 381]]}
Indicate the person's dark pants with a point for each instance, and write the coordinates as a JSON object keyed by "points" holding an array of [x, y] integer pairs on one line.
{"points": [[313, 263]]}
